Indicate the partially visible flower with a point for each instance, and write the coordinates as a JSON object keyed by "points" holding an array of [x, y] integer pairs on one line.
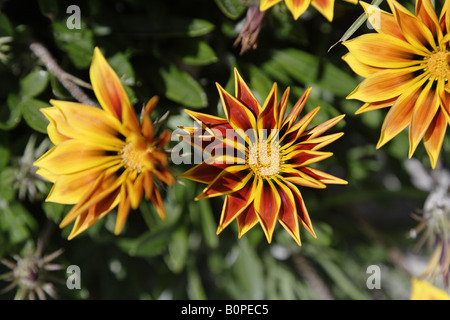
{"points": [[249, 35], [434, 228], [407, 66], [298, 7], [25, 180], [422, 290], [103, 158], [30, 274], [259, 157]]}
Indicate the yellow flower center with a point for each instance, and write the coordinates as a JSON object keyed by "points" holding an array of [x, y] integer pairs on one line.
{"points": [[264, 158], [439, 64], [132, 157]]}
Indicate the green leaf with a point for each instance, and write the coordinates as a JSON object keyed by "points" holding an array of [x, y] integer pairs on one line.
{"points": [[180, 87], [233, 9], [10, 113], [307, 68], [149, 244], [34, 83], [77, 43], [33, 115], [208, 224], [197, 53], [177, 250]]}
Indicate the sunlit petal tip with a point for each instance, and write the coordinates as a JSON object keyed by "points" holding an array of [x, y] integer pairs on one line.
{"points": [[267, 4]]}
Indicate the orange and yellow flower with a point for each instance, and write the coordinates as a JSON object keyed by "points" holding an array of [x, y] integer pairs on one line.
{"points": [[258, 158], [407, 66], [423, 290], [103, 158], [298, 7]]}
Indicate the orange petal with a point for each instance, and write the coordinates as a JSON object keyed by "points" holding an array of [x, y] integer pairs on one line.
{"points": [[370, 106], [325, 7], [296, 110], [414, 30], [267, 205], [235, 203], [400, 115], [424, 111], [203, 172], [385, 84], [434, 137], [382, 51], [323, 176], [305, 157], [109, 91], [298, 177], [298, 7], [426, 13], [382, 21]]}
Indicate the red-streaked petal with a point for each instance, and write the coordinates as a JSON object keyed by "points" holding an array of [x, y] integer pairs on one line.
{"points": [[296, 110], [434, 137], [424, 111], [323, 176], [385, 84], [267, 205], [302, 212], [297, 176], [236, 203], [123, 210], [203, 172], [247, 219], [382, 51], [239, 116], [324, 126], [305, 157], [231, 179], [288, 211], [325, 7], [268, 117], [290, 136], [244, 94]]}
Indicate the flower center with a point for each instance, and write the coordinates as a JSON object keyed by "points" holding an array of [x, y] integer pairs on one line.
{"points": [[133, 157], [264, 158], [439, 64]]}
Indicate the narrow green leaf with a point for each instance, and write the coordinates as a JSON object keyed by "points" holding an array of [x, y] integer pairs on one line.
{"points": [[233, 9], [33, 115]]}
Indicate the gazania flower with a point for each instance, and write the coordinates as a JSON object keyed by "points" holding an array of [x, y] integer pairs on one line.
{"points": [[406, 65], [103, 158], [259, 159], [298, 7], [422, 290]]}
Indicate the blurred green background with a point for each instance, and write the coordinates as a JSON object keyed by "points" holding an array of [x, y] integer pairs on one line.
{"points": [[178, 50]]}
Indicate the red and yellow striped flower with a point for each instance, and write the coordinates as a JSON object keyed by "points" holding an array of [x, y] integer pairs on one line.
{"points": [[407, 66], [103, 158], [298, 7], [258, 158]]}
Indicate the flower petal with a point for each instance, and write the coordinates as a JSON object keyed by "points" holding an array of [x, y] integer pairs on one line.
{"points": [[243, 92], [267, 4], [302, 212], [236, 203], [298, 7], [231, 179], [414, 30], [267, 205], [370, 106], [382, 21], [434, 137], [424, 111], [400, 114], [325, 7], [268, 117], [426, 13], [109, 91], [288, 211], [247, 219], [383, 51], [385, 84], [358, 67]]}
